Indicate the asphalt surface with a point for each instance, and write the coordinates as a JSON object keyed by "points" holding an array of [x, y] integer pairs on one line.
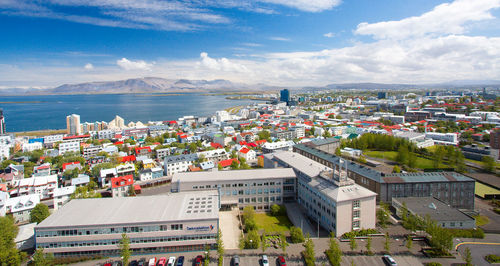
{"points": [[478, 252], [486, 210]]}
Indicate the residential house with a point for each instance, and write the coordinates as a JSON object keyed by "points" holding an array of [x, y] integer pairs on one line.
{"points": [[71, 165], [62, 195], [69, 147], [247, 153], [214, 156], [143, 151], [120, 186], [81, 180], [125, 169], [41, 185], [178, 163], [20, 207], [150, 173]]}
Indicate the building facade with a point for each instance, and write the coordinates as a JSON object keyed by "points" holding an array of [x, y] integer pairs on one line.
{"points": [[154, 224], [73, 125]]}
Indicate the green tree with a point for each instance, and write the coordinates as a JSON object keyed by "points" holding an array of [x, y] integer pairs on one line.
{"points": [[308, 253], [409, 242], [125, 249], [220, 244], [206, 261], [264, 244], [411, 160], [42, 259], [468, 257], [459, 161], [383, 215], [352, 242], [235, 165], [362, 159], [333, 252], [275, 209], [249, 218], [396, 169], [39, 213], [438, 156], [387, 243], [252, 240], [369, 246], [9, 255], [296, 235], [488, 164], [283, 243], [402, 156]]}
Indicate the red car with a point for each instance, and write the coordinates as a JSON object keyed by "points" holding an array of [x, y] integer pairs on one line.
{"points": [[281, 261], [198, 261], [162, 261]]}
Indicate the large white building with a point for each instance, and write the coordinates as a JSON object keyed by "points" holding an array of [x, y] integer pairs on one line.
{"points": [[443, 138], [178, 163], [69, 147], [176, 222], [260, 188], [29, 147], [73, 125], [328, 195], [41, 185]]}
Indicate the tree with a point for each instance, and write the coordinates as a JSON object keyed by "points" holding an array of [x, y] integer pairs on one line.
{"points": [[235, 165], [352, 242], [411, 160], [308, 253], [220, 244], [333, 252], [249, 218], [275, 209], [125, 249], [9, 255], [42, 259], [283, 243], [468, 257], [252, 240], [206, 261], [488, 163], [39, 213], [296, 235], [438, 156], [383, 215], [409, 242], [387, 243], [459, 161], [264, 244], [402, 156], [362, 159], [369, 245], [396, 169]]}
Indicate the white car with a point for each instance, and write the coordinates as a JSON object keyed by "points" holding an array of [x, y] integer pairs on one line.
{"points": [[265, 261], [389, 260], [171, 261]]}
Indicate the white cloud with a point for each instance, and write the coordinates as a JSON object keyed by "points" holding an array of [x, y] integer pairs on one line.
{"points": [[277, 38], [126, 64], [447, 18], [329, 35], [222, 64], [307, 5], [88, 66]]}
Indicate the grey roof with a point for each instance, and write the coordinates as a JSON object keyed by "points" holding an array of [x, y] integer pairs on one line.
{"points": [[343, 193], [380, 177], [299, 162], [135, 210], [320, 142], [181, 158], [436, 209], [232, 175]]}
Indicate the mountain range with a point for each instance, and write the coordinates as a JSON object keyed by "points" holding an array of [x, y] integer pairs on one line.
{"points": [[161, 85]]}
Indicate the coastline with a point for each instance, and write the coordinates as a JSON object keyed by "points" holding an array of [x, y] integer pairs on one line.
{"points": [[42, 132]]}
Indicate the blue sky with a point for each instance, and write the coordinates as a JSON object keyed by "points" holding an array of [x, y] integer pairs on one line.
{"points": [[277, 42]]}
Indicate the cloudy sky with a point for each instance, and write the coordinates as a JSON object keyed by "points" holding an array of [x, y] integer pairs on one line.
{"points": [[277, 42]]}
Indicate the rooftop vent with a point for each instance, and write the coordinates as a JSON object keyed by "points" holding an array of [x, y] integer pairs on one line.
{"points": [[432, 206]]}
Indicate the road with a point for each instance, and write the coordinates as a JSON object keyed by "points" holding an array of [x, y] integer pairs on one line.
{"points": [[478, 251]]}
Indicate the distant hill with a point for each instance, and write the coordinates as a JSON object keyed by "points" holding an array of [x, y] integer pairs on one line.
{"points": [[161, 85]]}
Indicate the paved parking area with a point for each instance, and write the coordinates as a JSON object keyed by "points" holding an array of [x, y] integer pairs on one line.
{"points": [[229, 225], [346, 260]]}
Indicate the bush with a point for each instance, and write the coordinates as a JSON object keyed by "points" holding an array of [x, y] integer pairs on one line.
{"points": [[362, 232], [296, 235], [467, 233], [433, 264], [275, 210], [496, 210], [492, 258]]}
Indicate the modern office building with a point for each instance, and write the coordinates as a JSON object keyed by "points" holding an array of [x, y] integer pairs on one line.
{"points": [[73, 125], [260, 188], [154, 224], [327, 195], [285, 95], [452, 188]]}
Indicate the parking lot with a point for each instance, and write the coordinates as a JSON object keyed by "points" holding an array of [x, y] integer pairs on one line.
{"points": [[346, 260]]}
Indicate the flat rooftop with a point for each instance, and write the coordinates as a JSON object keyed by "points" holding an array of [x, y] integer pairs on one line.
{"points": [[436, 209], [232, 175], [183, 206], [343, 193], [300, 162]]}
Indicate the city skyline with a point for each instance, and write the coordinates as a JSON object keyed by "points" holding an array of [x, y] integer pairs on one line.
{"points": [[285, 43]]}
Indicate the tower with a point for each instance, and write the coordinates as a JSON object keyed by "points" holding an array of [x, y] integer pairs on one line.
{"points": [[2, 122], [73, 124]]}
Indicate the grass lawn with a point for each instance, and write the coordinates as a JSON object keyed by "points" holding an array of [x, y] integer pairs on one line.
{"points": [[271, 223], [421, 163], [481, 220], [481, 190]]}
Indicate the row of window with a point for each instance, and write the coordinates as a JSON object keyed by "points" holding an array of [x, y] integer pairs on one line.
{"points": [[106, 242], [259, 200], [259, 191], [110, 230], [239, 185]]}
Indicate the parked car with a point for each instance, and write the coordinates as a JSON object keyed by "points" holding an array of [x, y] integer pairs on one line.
{"points": [[236, 260], [107, 264], [133, 263], [281, 261], [162, 261], [198, 261], [180, 261], [152, 262], [142, 262], [117, 263], [265, 261], [389, 260], [171, 261]]}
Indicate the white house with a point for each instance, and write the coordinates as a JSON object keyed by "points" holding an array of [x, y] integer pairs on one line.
{"points": [[69, 147], [62, 195], [178, 163], [41, 185], [29, 147], [246, 153], [20, 207]]}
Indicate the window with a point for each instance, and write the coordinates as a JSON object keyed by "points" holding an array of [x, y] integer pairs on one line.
{"points": [[355, 224], [356, 204], [355, 214]]}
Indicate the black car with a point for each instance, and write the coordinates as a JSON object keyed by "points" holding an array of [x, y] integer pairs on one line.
{"points": [[142, 262], [180, 261], [133, 263]]}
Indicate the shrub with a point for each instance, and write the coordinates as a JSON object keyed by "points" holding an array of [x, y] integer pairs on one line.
{"points": [[296, 235], [275, 210], [468, 233], [433, 264], [492, 258], [496, 210], [362, 232]]}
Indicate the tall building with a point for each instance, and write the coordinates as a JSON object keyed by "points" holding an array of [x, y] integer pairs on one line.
{"points": [[118, 122], [495, 139], [285, 95], [382, 95], [73, 124], [2, 123]]}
